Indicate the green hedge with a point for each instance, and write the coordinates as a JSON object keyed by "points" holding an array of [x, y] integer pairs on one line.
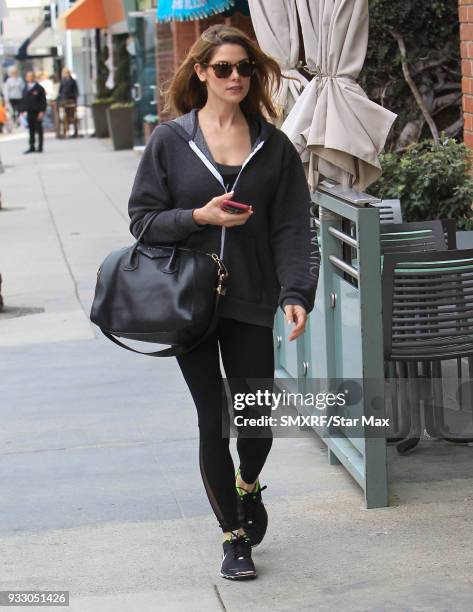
{"points": [[433, 181]]}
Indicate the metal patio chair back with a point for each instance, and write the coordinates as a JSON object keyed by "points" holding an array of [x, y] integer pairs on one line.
{"points": [[428, 318], [389, 211], [414, 236], [450, 232]]}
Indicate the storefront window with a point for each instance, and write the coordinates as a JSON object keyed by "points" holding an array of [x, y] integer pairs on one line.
{"points": [[142, 5]]}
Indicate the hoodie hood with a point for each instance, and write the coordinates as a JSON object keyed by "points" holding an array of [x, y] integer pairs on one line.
{"points": [[188, 127]]}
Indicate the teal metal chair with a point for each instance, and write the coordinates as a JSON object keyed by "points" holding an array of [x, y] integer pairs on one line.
{"points": [[412, 237], [427, 319], [389, 211]]}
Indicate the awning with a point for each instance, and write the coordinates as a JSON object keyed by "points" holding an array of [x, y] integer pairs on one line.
{"points": [[92, 14], [23, 48], [183, 10]]}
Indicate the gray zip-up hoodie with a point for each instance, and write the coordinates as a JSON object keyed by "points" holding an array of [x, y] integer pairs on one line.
{"points": [[268, 257]]}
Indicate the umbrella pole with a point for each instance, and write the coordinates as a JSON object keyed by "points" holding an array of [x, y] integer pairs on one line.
{"points": [[346, 179]]}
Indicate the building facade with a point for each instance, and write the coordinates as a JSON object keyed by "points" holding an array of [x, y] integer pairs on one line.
{"points": [[174, 39], [466, 37]]}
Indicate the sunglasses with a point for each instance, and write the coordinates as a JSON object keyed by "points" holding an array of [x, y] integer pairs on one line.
{"points": [[223, 70]]}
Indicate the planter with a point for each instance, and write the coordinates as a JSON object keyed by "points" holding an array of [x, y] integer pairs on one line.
{"points": [[120, 125], [99, 113]]}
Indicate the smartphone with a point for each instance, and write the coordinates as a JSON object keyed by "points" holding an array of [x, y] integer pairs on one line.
{"points": [[235, 208]]}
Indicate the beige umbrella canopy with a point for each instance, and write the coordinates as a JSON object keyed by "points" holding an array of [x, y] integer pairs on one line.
{"points": [[275, 26], [338, 131]]}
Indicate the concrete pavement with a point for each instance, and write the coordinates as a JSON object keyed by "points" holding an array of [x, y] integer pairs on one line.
{"points": [[101, 493]]}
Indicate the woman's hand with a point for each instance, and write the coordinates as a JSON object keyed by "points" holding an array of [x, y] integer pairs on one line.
{"points": [[298, 315], [212, 214]]}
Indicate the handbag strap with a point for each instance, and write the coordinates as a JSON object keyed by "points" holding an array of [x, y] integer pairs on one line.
{"points": [[174, 351]]}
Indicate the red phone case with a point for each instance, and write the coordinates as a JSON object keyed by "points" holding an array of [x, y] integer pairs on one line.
{"points": [[236, 206]]}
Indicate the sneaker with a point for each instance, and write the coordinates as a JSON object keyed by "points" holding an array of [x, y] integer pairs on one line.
{"points": [[237, 563], [252, 513]]}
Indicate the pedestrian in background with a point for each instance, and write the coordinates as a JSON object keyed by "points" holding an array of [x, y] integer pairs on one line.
{"points": [[13, 91], [48, 85], [33, 104], [67, 98]]}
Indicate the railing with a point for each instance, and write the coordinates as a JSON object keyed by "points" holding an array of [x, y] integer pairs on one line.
{"points": [[343, 340]]}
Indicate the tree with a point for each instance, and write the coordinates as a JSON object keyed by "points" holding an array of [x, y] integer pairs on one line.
{"points": [[413, 67], [122, 91], [102, 73]]}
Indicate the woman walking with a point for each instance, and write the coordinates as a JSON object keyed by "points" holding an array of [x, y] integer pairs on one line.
{"points": [[220, 147], [67, 99], [13, 90]]}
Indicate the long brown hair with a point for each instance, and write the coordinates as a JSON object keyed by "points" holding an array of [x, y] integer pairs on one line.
{"points": [[186, 91]]}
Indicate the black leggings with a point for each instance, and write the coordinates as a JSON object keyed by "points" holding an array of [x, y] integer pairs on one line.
{"points": [[16, 107], [35, 126], [247, 353]]}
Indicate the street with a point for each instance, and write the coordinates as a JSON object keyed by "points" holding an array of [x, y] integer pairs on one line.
{"points": [[101, 493]]}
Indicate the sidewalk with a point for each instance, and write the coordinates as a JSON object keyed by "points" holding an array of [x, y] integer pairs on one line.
{"points": [[101, 489]]}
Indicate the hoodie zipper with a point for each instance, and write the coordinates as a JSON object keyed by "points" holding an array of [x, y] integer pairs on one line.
{"points": [[219, 177]]}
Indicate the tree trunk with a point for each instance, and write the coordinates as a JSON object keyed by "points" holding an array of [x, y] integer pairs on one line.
{"points": [[413, 87]]}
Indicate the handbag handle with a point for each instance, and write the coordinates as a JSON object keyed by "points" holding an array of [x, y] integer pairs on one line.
{"points": [[129, 263], [148, 222]]}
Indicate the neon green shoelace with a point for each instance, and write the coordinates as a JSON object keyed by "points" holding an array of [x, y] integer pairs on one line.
{"points": [[242, 492]]}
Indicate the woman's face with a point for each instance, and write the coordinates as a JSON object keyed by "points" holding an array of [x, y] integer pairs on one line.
{"points": [[232, 89]]}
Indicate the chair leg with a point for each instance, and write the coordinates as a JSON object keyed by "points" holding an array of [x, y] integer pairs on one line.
{"points": [[430, 429], [460, 378], [437, 398], [390, 377], [401, 426], [441, 427], [467, 389], [470, 379], [413, 437]]}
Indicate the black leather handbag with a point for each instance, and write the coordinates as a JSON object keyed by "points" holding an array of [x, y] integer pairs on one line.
{"points": [[163, 294]]}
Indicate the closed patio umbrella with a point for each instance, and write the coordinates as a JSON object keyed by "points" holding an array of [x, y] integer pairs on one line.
{"points": [[338, 131], [275, 26]]}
